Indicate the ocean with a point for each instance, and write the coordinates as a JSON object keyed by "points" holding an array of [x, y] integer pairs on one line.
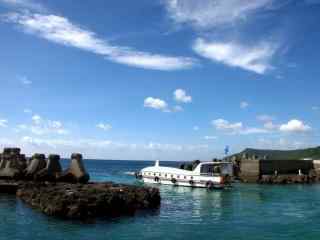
{"points": [[247, 211]]}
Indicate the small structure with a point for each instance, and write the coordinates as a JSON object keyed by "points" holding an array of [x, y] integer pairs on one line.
{"points": [[255, 169]]}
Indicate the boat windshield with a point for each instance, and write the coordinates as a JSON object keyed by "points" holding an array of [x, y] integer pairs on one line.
{"points": [[216, 169]]}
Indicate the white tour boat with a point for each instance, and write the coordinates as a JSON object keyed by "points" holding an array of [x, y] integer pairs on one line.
{"points": [[205, 175]]}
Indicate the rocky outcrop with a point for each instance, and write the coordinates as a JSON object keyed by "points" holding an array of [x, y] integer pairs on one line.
{"points": [[43, 185], [88, 201], [76, 173]]}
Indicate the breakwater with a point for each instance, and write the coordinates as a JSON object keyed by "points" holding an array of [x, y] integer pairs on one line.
{"points": [[253, 169], [42, 184]]}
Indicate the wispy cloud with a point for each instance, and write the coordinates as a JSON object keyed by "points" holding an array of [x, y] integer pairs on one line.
{"points": [[27, 110], [101, 148], [206, 14], [41, 126], [24, 80], [256, 59], [24, 4], [236, 128], [104, 126], [60, 30], [244, 105], [177, 108], [3, 123], [210, 137]]}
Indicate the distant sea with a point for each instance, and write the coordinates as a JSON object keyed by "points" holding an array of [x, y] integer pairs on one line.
{"points": [[248, 211]]}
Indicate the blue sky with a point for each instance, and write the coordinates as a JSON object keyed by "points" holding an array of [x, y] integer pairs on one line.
{"points": [[167, 79]]}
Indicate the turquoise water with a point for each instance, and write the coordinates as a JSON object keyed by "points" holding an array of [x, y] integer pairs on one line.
{"points": [[244, 212]]}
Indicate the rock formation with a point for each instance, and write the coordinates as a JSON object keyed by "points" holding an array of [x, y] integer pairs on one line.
{"points": [[43, 185], [88, 201]]}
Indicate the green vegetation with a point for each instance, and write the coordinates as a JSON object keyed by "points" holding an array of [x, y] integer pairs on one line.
{"points": [[313, 153]]}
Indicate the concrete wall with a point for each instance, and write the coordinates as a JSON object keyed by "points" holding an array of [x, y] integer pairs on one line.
{"points": [[250, 170], [268, 167]]}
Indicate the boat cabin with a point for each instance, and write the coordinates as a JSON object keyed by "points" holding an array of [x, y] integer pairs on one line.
{"points": [[214, 169]]}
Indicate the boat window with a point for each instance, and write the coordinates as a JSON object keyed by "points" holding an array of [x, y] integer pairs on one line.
{"points": [[178, 176], [185, 177], [172, 175], [191, 177], [154, 174], [165, 175], [210, 169]]}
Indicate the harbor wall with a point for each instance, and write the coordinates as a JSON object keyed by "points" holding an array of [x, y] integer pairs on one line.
{"points": [[253, 170]]}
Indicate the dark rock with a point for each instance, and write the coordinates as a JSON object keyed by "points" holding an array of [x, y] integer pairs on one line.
{"points": [[87, 201]]}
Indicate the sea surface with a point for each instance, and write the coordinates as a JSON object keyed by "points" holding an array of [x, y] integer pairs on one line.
{"points": [[247, 211]]}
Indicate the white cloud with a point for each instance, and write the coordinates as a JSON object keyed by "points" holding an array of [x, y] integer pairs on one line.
{"points": [[180, 95], [3, 123], [221, 124], [210, 137], [295, 125], [244, 104], [206, 14], [104, 148], [25, 4], [36, 119], [41, 126], [155, 103], [254, 58], [104, 126], [196, 128], [236, 128], [252, 130], [60, 30]]}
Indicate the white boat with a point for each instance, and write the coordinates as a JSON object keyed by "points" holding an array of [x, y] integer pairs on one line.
{"points": [[205, 175]]}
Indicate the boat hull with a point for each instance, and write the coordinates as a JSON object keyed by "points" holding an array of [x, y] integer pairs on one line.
{"points": [[194, 184]]}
